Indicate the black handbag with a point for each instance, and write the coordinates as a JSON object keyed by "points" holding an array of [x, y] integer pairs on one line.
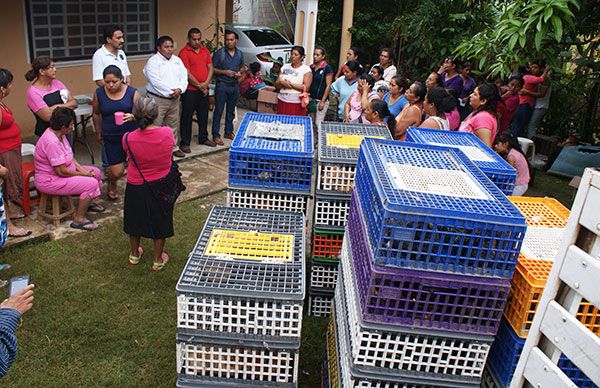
{"points": [[165, 190]]}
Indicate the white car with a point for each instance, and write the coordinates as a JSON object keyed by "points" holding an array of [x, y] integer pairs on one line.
{"points": [[261, 44]]}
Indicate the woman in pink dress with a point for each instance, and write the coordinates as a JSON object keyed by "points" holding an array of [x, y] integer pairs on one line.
{"points": [[58, 173], [483, 121]]}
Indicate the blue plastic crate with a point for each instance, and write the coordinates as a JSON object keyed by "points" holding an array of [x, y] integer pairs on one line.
{"points": [[493, 165], [444, 215], [506, 350], [272, 163]]}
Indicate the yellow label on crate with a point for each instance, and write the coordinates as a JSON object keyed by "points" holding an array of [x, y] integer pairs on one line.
{"points": [[253, 245], [346, 141]]}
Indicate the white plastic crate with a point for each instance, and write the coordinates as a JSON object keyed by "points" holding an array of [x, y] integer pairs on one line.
{"points": [[235, 363], [434, 356], [272, 200], [323, 275], [237, 316], [331, 212], [319, 305], [337, 178]]}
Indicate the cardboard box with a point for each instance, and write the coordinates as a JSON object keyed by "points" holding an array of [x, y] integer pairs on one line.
{"points": [[266, 102]]}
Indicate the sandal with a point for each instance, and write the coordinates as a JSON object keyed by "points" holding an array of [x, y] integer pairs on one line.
{"points": [[95, 208], [112, 195], [158, 265], [18, 216], [19, 232], [86, 225], [5, 266], [135, 260]]}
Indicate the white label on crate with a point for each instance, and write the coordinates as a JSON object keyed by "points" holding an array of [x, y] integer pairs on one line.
{"points": [[542, 243], [276, 131], [472, 152], [452, 183]]}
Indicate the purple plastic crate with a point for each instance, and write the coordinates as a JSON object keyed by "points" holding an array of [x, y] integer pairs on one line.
{"points": [[423, 299]]}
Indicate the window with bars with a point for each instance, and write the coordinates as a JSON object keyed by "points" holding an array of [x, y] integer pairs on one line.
{"points": [[69, 30]]}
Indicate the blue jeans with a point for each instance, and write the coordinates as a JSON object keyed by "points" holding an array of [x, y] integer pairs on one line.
{"points": [[224, 94], [520, 119]]}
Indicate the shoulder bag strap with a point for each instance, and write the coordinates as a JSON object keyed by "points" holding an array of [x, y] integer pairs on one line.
{"points": [[133, 157]]}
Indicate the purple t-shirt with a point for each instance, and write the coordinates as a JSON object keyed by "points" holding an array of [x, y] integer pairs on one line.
{"points": [[455, 83], [468, 86]]}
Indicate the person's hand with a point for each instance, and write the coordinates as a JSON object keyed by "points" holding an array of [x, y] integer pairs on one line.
{"points": [[362, 83], [230, 73], [21, 301], [128, 117], [321, 105], [176, 92], [524, 92], [3, 170], [99, 137]]}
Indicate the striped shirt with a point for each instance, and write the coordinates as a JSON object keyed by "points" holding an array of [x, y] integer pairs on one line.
{"points": [[9, 319]]}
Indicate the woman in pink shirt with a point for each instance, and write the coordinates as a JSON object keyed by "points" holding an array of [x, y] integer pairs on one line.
{"points": [[482, 121], [46, 93], [149, 151], [58, 173], [508, 147]]}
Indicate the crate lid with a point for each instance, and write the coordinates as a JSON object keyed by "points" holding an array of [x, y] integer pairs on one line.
{"points": [[476, 150], [434, 180], [248, 252], [340, 142], [546, 212], [278, 134], [542, 243]]}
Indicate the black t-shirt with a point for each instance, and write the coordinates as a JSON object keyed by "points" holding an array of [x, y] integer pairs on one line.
{"points": [[319, 84]]}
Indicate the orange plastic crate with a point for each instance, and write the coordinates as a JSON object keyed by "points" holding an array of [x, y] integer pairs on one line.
{"points": [[546, 212], [526, 289], [326, 245], [332, 357]]}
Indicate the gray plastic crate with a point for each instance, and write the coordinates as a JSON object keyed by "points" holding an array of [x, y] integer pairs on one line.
{"points": [[349, 155], [331, 211], [249, 197]]}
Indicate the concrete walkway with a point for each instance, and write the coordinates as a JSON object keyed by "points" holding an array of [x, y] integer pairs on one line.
{"points": [[204, 173]]}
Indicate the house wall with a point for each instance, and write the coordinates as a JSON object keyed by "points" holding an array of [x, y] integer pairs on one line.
{"points": [[174, 19]]}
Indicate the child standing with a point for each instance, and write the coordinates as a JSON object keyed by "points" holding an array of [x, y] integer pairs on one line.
{"points": [[507, 146]]}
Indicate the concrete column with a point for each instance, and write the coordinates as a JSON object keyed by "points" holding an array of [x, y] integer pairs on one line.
{"points": [[306, 27], [346, 39]]}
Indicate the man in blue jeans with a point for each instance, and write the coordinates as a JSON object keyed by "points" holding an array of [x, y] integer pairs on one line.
{"points": [[226, 64]]}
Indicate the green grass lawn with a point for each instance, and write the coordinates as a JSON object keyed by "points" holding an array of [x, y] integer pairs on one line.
{"points": [[98, 321]]}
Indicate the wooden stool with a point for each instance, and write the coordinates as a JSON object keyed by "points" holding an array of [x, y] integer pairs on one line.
{"points": [[57, 215]]}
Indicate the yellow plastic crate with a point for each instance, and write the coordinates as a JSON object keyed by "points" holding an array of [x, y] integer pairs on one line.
{"points": [[346, 141], [251, 245], [526, 288], [544, 212], [332, 357]]}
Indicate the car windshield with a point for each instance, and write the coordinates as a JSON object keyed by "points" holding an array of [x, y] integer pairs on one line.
{"points": [[265, 37]]}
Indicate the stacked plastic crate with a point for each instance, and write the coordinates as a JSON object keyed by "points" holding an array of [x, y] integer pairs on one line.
{"points": [[338, 152], [489, 162], [240, 299], [546, 220], [271, 163], [429, 250]]}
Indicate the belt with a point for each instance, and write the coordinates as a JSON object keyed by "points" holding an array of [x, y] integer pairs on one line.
{"points": [[158, 95]]}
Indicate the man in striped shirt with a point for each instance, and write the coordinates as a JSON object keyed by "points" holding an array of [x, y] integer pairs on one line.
{"points": [[10, 315]]}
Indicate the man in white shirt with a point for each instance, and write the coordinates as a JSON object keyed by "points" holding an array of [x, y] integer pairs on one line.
{"points": [[167, 79], [110, 53]]}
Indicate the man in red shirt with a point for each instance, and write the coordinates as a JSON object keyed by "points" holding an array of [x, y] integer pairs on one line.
{"points": [[197, 60]]}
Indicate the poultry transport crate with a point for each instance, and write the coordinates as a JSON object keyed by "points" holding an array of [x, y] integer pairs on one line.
{"points": [[326, 245], [323, 276], [392, 354], [507, 349], [272, 151], [542, 212], [487, 160], [430, 208], [419, 299], [319, 303], [338, 152], [245, 278], [331, 212], [269, 199]]}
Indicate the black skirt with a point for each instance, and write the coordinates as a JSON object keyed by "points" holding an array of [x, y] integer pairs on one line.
{"points": [[144, 216]]}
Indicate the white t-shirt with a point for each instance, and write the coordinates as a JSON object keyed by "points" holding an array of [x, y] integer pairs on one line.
{"points": [[544, 102], [103, 58], [296, 76], [388, 73]]}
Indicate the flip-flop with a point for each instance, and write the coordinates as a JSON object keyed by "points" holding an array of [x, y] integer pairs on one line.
{"points": [[83, 225], [135, 260], [27, 233], [158, 265], [18, 216], [95, 208], [5, 266]]}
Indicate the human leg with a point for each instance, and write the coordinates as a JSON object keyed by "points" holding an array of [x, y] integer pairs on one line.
{"points": [[232, 96], [136, 250], [202, 116], [220, 100], [188, 106], [172, 118], [160, 257], [534, 121], [520, 119]]}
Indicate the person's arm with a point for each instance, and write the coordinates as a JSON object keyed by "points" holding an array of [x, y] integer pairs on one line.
{"points": [[403, 121], [328, 81], [97, 117], [306, 81], [11, 310], [429, 123], [511, 160], [364, 98], [62, 170], [347, 110], [71, 103], [485, 135], [204, 85]]}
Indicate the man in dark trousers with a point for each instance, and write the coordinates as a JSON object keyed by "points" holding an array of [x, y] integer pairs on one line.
{"points": [[197, 61], [226, 62]]}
